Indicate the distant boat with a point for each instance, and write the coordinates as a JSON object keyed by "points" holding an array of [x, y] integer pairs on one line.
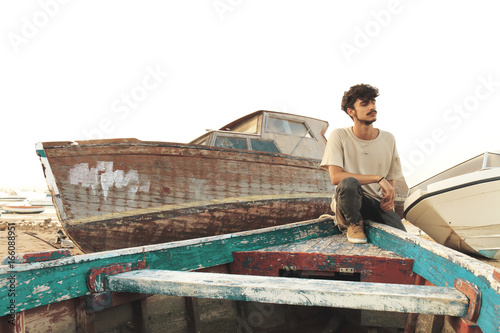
{"points": [[24, 209], [12, 197], [45, 201], [258, 171], [459, 207]]}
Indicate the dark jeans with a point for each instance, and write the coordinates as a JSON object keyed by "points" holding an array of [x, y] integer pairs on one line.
{"points": [[355, 206]]}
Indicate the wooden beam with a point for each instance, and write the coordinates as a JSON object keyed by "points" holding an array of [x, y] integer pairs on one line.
{"points": [[140, 316], [192, 314], [309, 292], [84, 321], [20, 326]]}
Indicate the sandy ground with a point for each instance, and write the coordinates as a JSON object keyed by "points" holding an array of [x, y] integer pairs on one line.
{"points": [[38, 232], [34, 232]]}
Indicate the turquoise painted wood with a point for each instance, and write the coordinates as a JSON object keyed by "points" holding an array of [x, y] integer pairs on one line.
{"points": [[441, 266], [281, 290], [28, 286]]}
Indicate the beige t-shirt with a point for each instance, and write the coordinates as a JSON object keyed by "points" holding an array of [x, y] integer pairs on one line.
{"points": [[365, 157]]}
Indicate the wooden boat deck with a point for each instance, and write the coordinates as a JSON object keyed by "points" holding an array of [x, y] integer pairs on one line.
{"points": [[334, 244], [186, 277]]}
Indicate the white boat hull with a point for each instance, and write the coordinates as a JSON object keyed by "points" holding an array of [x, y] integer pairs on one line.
{"points": [[462, 213], [23, 209]]}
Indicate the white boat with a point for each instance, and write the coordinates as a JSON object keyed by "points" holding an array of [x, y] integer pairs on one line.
{"points": [[24, 209], [459, 207], [11, 197], [42, 201]]}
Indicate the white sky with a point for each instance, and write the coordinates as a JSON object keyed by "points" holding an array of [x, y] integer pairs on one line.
{"points": [[67, 68]]}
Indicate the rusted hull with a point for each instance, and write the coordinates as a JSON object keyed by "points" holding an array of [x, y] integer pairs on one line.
{"points": [[188, 221], [93, 179]]}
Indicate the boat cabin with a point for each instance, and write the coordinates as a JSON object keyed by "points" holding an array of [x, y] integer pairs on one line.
{"points": [[485, 161], [273, 132]]}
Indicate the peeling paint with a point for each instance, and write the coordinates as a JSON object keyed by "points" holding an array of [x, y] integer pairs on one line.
{"points": [[103, 178], [40, 289]]}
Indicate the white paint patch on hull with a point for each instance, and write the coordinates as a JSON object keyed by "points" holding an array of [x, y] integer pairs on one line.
{"points": [[102, 178]]}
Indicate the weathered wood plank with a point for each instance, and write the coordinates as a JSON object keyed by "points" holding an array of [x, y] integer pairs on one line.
{"points": [[53, 281], [441, 266], [84, 321], [276, 290], [176, 222], [369, 269], [322, 245], [140, 316], [334, 244]]}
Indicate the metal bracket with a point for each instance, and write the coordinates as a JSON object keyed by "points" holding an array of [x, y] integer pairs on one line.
{"points": [[289, 268], [474, 296], [96, 277]]}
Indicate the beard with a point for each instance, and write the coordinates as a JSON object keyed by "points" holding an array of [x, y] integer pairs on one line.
{"points": [[365, 122]]}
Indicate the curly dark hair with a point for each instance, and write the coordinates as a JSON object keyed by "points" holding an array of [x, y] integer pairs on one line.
{"points": [[364, 92]]}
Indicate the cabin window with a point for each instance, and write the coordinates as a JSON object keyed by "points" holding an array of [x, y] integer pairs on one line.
{"points": [[249, 126], [231, 143], [283, 126], [493, 160], [261, 145], [202, 141]]}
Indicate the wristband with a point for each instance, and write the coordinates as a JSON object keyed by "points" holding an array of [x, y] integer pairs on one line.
{"points": [[380, 180]]}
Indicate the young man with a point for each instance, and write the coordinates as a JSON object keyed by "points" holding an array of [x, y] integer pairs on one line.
{"points": [[363, 163]]}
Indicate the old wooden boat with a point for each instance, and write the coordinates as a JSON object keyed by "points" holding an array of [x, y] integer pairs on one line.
{"points": [[23, 209], [260, 170], [300, 277], [459, 207]]}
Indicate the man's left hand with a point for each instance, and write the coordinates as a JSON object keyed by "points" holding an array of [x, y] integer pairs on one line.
{"points": [[388, 195]]}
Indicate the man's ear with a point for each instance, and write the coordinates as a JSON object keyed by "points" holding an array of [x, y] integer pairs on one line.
{"points": [[351, 112]]}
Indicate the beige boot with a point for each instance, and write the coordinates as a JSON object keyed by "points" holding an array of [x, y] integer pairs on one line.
{"points": [[356, 234]]}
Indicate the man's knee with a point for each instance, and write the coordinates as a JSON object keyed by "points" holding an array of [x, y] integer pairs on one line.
{"points": [[349, 184]]}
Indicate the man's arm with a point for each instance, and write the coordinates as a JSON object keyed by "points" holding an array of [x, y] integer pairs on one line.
{"points": [[387, 186], [337, 174]]}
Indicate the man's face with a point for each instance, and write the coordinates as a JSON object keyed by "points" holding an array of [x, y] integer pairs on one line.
{"points": [[364, 111]]}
